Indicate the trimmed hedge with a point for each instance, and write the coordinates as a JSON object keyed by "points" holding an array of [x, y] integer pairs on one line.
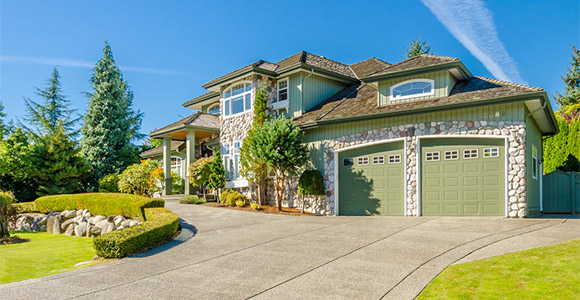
{"points": [[107, 204], [25, 207], [161, 226]]}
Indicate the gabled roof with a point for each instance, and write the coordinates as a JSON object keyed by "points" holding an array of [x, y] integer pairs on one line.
{"points": [[369, 66], [199, 119], [176, 146], [207, 96], [360, 101], [420, 63]]}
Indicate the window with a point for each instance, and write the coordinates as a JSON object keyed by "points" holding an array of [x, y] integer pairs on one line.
{"points": [[282, 90], [534, 162], [490, 152], [176, 165], [347, 162], [412, 88], [395, 159], [432, 156], [237, 160], [451, 155], [214, 110], [363, 161], [470, 153], [228, 164], [238, 99], [379, 160]]}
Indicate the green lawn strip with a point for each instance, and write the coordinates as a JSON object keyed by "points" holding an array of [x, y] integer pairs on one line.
{"points": [[550, 272], [45, 254]]}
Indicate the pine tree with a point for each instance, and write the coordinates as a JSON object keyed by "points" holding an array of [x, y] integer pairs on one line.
{"points": [[217, 176], [45, 118], [417, 47], [570, 102], [2, 125], [110, 123]]}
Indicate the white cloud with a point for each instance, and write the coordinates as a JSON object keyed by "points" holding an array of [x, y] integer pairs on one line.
{"points": [[80, 64], [471, 23]]}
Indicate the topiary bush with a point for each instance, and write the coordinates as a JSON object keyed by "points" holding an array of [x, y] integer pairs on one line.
{"points": [[191, 199], [224, 195], [232, 197], [109, 184], [25, 207], [107, 204], [160, 226]]}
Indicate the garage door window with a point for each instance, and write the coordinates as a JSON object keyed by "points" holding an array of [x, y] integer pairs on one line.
{"points": [[347, 162], [379, 160], [363, 161], [490, 152], [470, 153], [432, 156], [395, 159], [451, 155]]}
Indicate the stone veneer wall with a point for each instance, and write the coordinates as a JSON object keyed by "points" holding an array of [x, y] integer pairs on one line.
{"points": [[515, 131]]}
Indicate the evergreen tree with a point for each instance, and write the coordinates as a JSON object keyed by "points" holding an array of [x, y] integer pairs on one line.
{"points": [[217, 176], [2, 125], [417, 47], [569, 102], [59, 169], [251, 168], [45, 118], [110, 123]]}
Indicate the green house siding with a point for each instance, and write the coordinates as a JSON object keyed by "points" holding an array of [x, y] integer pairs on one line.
{"points": [[314, 90], [444, 83], [533, 139], [315, 137]]}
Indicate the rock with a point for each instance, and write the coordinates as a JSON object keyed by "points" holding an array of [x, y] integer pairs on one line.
{"points": [[132, 223], [25, 227], [41, 220], [126, 223], [95, 231], [50, 223], [87, 215], [108, 228], [42, 228], [81, 229], [70, 230], [98, 219], [56, 226], [101, 224], [111, 219], [70, 214], [66, 224], [79, 213], [119, 228], [63, 213]]}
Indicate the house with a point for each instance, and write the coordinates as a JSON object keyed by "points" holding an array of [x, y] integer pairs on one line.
{"points": [[422, 137]]}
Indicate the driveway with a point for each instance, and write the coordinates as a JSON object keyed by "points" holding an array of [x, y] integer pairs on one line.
{"points": [[229, 254]]}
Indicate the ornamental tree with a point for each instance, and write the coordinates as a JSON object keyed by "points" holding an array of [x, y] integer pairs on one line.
{"points": [[199, 173], [142, 179], [311, 183], [217, 176], [278, 144]]}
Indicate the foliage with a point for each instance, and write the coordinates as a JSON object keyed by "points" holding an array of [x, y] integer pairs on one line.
{"points": [[199, 171], [417, 47], [160, 226], [177, 183], [25, 207], [6, 200], [109, 184], [559, 147], [251, 168], [231, 198], [549, 272], [570, 165], [106, 204], [110, 123], [240, 203], [311, 182], [191, 199], [16, 166], [217, 176], [255, 206], [142, 179], [278, 143], [59, 169], [225, 194], [3, 126], [569, 102], [152, 143], [54, 114]]}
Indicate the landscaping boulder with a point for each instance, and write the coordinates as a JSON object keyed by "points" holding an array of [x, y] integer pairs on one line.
{"points": [[79, 213], [108, 228], [66, 223], [95, 231], [110, 218], [56, 225], [101, 224], [70, 214], [42, 228], [97, 219], [70, 231], [81, 229], [118, 220], [50, 223], [126, 223], [41, 220]]}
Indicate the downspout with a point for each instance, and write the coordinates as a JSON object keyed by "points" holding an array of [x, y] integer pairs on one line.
{"points": [[302, 90]]}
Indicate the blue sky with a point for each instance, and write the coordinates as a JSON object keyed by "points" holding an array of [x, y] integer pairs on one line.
{"points": [[168, 49]]}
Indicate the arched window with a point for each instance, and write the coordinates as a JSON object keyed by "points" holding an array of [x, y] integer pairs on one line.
{"points": [[237, 98], [214, 109], [412, 88]]}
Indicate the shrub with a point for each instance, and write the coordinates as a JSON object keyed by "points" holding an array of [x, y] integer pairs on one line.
{"points": [[160, 226], [225, 194], [241, 203], [191, 199], [177, 184], [255, 206], [25, 207], [109, 184], [107, 204], [6, 200], [142, 179], [232, 197]]}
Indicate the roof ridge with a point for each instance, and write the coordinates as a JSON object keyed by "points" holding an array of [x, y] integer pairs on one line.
{"points": [[509, 83], [324, 57], [438, 56], [412, 58]]}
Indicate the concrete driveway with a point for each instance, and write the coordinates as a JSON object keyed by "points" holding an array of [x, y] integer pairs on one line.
{"points": [[228, 254]]}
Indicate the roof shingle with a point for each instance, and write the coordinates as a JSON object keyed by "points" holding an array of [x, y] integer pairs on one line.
{"points": [[200, 119]]}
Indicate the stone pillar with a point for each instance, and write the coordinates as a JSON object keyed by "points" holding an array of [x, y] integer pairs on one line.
{"points": [[189, 159], [167, 166]]}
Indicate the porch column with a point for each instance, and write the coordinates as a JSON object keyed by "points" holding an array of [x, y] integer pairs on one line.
{"points": [[167, 166], [189, 158]]}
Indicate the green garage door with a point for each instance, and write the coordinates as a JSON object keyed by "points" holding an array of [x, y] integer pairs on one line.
{"points": [[463, 177], [371, 180]]}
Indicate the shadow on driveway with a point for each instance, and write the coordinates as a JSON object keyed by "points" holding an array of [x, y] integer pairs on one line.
{"points": [[187, 231]]}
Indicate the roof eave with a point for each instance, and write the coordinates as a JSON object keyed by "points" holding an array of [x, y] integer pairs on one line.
{"points": [[216, 83], [462, 71], [200, 99]]}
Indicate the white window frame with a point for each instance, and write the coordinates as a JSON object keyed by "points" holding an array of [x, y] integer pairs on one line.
{"points": [[214, 106], [452, 154], [178, 166], [394, 159], [534, 162], [243, 95], [287, 88], [236, 159], [227, 157], [492, 154], [363, 161], [379, 160], [433, 156], [470, 153], [431, 93]]}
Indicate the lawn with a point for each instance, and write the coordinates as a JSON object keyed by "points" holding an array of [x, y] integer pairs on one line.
{"points": [[44, 254], [551, 272]]}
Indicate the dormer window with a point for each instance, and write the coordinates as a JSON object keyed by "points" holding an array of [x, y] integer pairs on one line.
{"points": [[412, 89], [238, 99]]}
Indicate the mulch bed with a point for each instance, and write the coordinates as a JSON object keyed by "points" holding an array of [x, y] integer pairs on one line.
{"points": [[269, 209]]}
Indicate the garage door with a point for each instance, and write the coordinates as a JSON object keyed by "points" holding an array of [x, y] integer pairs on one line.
{"points": [[462, 177], [371, 180]]}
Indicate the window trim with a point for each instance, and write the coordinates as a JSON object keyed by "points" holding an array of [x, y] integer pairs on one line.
{"points": [[476, 153], [491, 152], [378, 160], [243, 94], [366, 161], [397, 159], [214, 106], [534, 162], [278, 89], [428, 80], [432, 156], [451, 155]]}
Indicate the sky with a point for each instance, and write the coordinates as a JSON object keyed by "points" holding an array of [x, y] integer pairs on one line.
{"points": [[167, 49]]}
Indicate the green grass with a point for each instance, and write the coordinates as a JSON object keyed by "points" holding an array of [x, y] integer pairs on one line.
{"points": [[551, 272], [45, 254]]}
